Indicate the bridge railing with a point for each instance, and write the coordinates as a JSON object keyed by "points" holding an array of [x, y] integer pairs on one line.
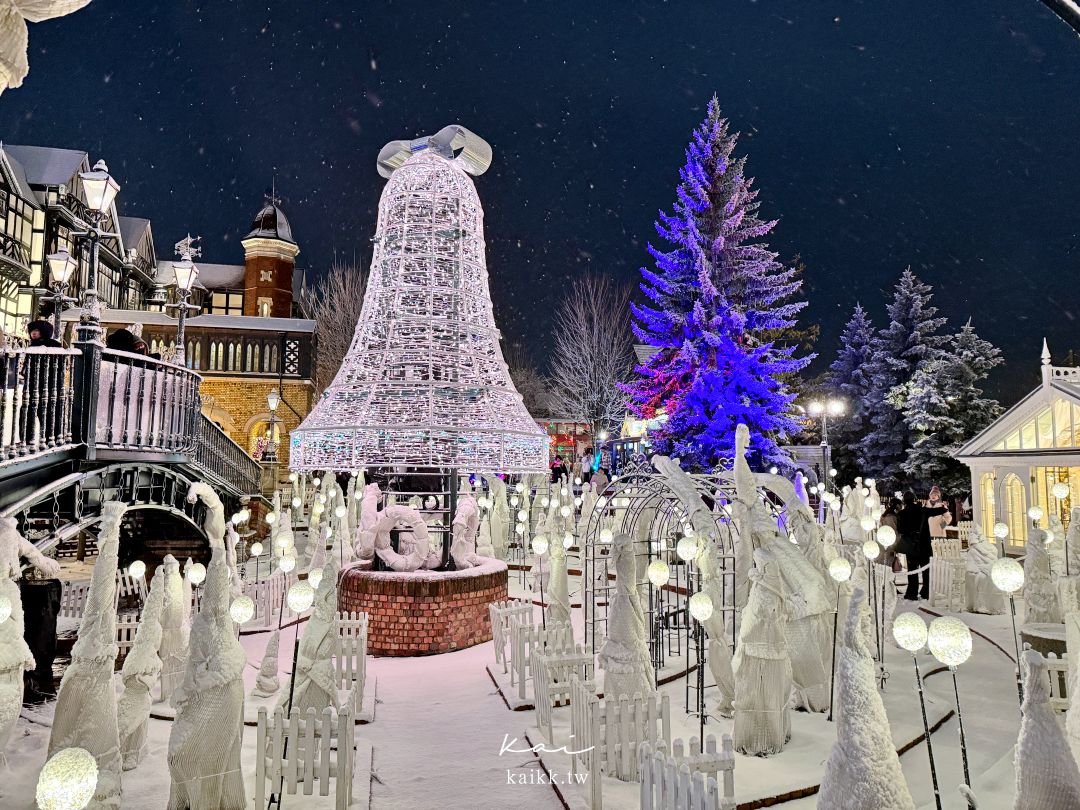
{"points": [[215, 453], [36, 401]]}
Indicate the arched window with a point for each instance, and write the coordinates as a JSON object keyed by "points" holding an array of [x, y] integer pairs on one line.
{"points": [[274, 358], [247, 358], [213, 356], [190, 355], [232, 356], [1015, 509], [260, 438]]}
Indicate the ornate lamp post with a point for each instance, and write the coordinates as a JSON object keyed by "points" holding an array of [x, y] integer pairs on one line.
{"points": [[100, 189], [185, 273], [273, 400], [62, 266], [823, 409]]}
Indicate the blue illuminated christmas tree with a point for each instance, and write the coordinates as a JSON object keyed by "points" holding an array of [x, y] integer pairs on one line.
{"points": [[716, 299]]}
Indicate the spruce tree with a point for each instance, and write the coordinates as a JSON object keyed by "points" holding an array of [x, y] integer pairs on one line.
{"points": [[848, 378], [715, 298], [944, 407], [898, 351]]}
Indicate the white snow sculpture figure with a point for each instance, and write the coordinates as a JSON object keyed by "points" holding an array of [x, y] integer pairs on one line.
{"points": [[174, 642], [232, 539], [369, 516], [1055, 547], [499, 522], [14, 36], [86, 702], [624, 657], [465, 528], [204, 745], [1072, 716], [982, 595], [268, 680], [214, 520], [1047, 777], [1040, 595], [558, 588], [863, 771], [410, 556], [1072, 542], [719, 651], [141, 670], [800, 488], [808, 630], [762, 668], [316, 681], [15, 656], [742, 511]]}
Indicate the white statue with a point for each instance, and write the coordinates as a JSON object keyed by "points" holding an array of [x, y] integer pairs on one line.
{"points": [[204, 744], [364, 546], [624, 657], [268, 680], [85, 714], [315, 679], [14, 36], [982, 595], [742, 512], [863, 771], [465, 528], [414, 546], [174, 640], [558, 587], [140, 672], [1040, 595], [1047, 777], [762, 668], [232, 539], [15, 655], [499, 520]]}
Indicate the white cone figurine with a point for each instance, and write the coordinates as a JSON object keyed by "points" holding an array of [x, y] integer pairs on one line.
{"points": [[204, 745], [465, 528], [15, 656], [140, 673], [742, 510], [863, 771], [558, 586], [1047, 777], [316, 682], [624, 657], [173, 649], [762, 668], [268, 680], [1040, 594], [85, 714]]}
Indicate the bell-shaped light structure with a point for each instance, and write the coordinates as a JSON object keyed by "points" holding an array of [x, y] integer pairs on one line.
{"points": [[840, 569], [687, 548], [1060, 490], [242, 609], [68, 780], [701, 606], [301, 596], [1007, 575], [256, 549], [658, 573], [909, 630], [886, 535], [949, 640], [137, 569], [62, 267], [1001, 530], [540, 545], [196, 573], [871, 549]]}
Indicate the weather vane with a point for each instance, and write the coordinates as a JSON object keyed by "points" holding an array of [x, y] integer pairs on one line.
{"points": [[186, 248]]}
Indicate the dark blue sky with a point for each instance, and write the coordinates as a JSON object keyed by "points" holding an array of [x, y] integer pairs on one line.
{"points": [[941, 135]]}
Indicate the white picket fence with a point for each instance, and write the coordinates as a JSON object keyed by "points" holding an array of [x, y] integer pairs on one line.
{"points": [[73, 594], [267, 596], [126, 627], [526, 640], [502, 613], [948, 574], [608, 733], [350, 671], [668, 784], [1058, 671], [552, 672], [298, 753]]}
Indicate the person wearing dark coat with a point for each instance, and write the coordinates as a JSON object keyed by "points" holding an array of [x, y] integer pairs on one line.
{"points": [[913, 526], [41, 334], [122, 341]]}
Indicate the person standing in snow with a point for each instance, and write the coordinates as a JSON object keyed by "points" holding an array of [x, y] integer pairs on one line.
{"points": [[913, 526]]}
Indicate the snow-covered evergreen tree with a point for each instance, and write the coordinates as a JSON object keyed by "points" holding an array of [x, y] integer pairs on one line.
{"points": [[944, 407], [714, 300], [899, 350], [848, 377]]}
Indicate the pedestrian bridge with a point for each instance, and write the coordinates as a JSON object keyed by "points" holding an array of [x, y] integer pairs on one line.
{"points": [[82, 426]]}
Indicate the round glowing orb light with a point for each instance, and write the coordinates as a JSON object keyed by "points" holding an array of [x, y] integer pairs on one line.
{"points": [[284, 541], [256, 549], [840, 569], [301, 596], [578, 501], [886, 535], [358, 495], [835, 505], [909, 630], [68, 780], [687, 548], [519, 487], [1060, 490], [568, 540], [236, 520], [658, 573], [196, 573], [296, 503], [514, 500], [1035, 513], [271, 518], [949, 640], [832, 472], [871, 549], [340, 510], [5, 608], [522, 515], [293, 478], [869, 483], [577, 482], [1001, 531], [519, 528], [701, 606], [286, 564], [565, 511], [315, 577], [540, 545], [545, 501], [1007, 575], [316, 481], [242, 609], [867, 524], [137, 569], [606, 536], [564, 492]]}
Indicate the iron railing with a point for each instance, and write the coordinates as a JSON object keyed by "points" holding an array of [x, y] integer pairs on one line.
{"points": [[220, 456], [35, 402]]}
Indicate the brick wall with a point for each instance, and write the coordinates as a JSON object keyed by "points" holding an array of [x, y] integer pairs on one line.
{"points": [[414, 614]]}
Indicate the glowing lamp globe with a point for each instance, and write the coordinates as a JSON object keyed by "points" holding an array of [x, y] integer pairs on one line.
{"points": [[256, 549], [314, 576], [578, 501], [284, 541], [296, 503], [565, 511], [687, 548], [840, 569], [320, 499], [137, 569], [869, 483], [519, 487], [564, 492], [519, 528], [540, 545], [514, 500], [1001, 531], [1060, 490], [1035, 513], [1007, 575], [316, 481], [301, 596], [286, 564], [5, 608], [601, 503], [293, 478], [835, 505], [242, 609], [568, 540], [909, 630], [658, 573], [522, 515], [340, 510], [868, 502], [886, 535], [554, 503], [606, 536], [545, 501], [832, 472], [871, 549], [271, 518], [236, 519], [196, 573], [68, 780], [701, 606], [867, 524], [949, 641]]}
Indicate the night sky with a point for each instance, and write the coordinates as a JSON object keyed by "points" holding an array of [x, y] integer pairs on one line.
{"points": [[941, 135]]}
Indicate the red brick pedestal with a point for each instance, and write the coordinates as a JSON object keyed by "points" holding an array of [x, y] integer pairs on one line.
{"points": [[424, 612]]}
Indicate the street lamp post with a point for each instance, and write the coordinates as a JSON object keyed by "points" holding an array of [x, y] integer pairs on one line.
{"points": [[62, 266], [100, 189], [823, 409], [185, 273], [273, 400]]}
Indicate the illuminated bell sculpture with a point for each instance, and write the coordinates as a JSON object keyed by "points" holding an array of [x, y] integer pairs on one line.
{"points": [[424, 382]]}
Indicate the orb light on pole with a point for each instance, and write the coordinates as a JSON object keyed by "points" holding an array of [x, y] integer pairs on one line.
{"points": [[910, 632], [68, 780], [840, 572], [949, 640], [1008, 577]]}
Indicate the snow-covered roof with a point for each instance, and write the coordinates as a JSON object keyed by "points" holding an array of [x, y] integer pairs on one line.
{"points": [[132, 230], [47, 165], [17, 174], [211, 276], [271, 223]]}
